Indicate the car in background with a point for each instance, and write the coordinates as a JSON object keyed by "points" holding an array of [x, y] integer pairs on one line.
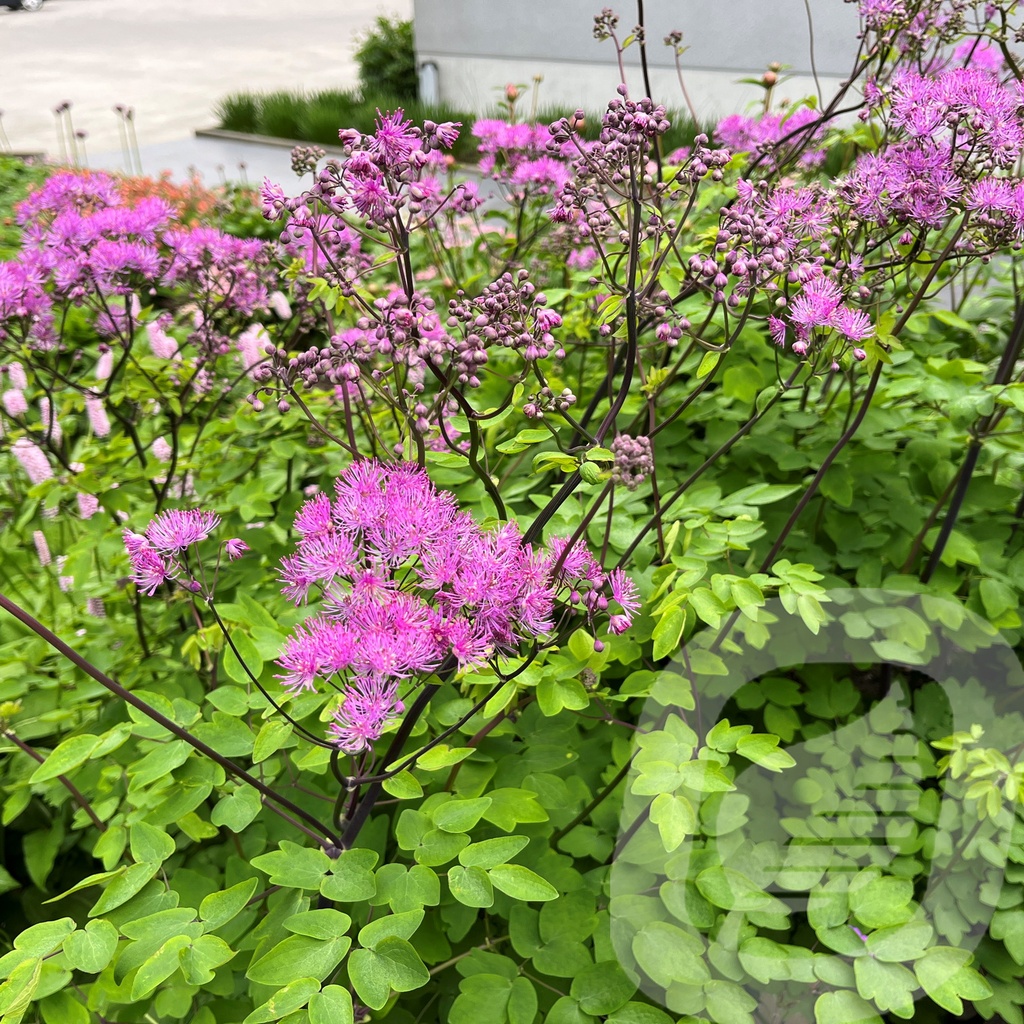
{"points": [[22, 5]]}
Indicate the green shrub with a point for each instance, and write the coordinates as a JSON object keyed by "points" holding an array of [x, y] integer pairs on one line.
{"points": [[319, 121], [238, 112], [386, 56], [279, 114]]}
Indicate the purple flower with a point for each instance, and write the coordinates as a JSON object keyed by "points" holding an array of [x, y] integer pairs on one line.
{"points": [[395, 138], [853, 324], [235, 548], [178, 529], [368, 705], [149, 568]]}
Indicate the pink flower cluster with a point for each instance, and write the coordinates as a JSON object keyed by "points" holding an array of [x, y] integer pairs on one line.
{"points": [[408, 583], [759, 135], [522, 155], [92, 247], [159, 555], [380, 175]]}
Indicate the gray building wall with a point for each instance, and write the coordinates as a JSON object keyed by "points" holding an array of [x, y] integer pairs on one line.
{"points": [[479, 45]]}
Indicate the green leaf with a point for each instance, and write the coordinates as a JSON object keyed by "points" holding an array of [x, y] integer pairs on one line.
{"points": [[91, 949], [124, 887], [460, 815], [727, 1003], [668, 954], [238, 810], [272, 737], [159, 967], [470, 886], [945, 976], [763, 750], [906, 942], [402, 926], [442, 756], [708, 363], [292, 997], [675, 817], [556, 693], [160, 926], [220, 907], [668, 632], [890, 987], [844, 1007], [250, 656], [63, 1008], [602, 988], [65, 757], [407, 888], [351, 878], [392, 966], [705, 777], [491, 852], [731, 890], [639, 1013], [200, 960], [43, 938], [511, 807], [325, 923], [884, 902], [403, 786], [298, 955], [149, 844], [1008, 925], [295, 866], [331, 1006], [522, 1002], [521, 883]]}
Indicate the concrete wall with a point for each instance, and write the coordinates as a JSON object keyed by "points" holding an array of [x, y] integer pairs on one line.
{"points": [[479, 45]]}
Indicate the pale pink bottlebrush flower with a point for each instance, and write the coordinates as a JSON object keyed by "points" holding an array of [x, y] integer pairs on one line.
{"points": [[105, 365], [252, 345], [97, 416], [280, 305], [33, 460], [64, 582], [42, 549], [162, 344], [88, 504], [16, 375], [162, 450], [14, 402], [51, 424], [94, 606]]}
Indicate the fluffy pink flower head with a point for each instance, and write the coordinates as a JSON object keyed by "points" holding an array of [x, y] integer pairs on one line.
{"points": [[235, 548], [178, 529], [149, 567]]}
